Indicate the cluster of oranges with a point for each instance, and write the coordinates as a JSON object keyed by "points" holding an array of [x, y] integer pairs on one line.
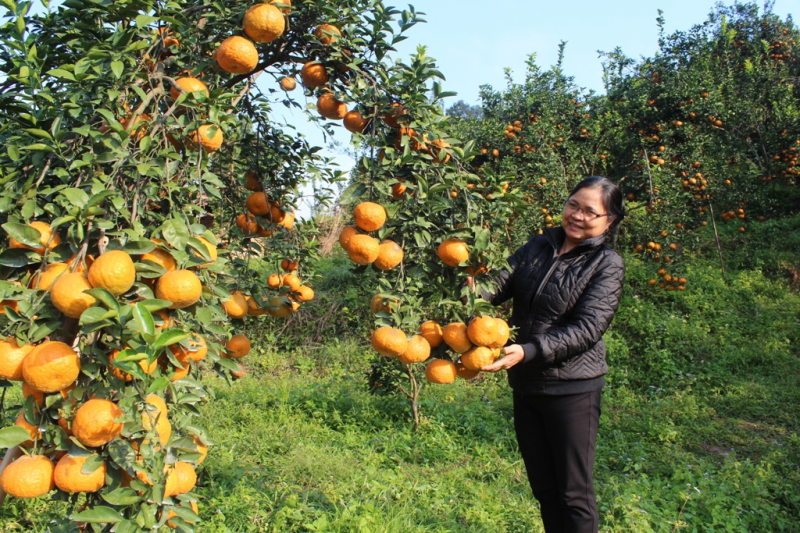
{"points": [[669, 282], [362, 248], [262, 23]]}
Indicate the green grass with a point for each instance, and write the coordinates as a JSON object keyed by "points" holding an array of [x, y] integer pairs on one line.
{"points": [[699, 430]]}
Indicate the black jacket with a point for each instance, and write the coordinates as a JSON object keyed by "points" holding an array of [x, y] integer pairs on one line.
{"points": [[562, 306]]}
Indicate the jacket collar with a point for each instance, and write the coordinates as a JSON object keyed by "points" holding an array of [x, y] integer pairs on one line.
{"points": [[555, 236]]}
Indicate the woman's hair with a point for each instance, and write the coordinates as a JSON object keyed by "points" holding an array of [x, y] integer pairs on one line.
{"points": [[612, 198]]}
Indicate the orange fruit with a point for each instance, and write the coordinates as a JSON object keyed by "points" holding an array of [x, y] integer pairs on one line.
{"points": [[236, 55], [363, 249], [157, 418], [93, 424], [166, 320], [32, 430], [503, 333], [289, 266], [38, 397], [439, 151], [327, 33], [369, 216], [440, 371], [287, 221], [253, 307], [45, 231], [137, 126], [313, 74], [398, 190], [346, 234], [238, 374], [389, 341], [236, 306], [456, 337], [432, 333], [65, 424], [417, 351], [68, 475], [160, 256], [68, 296], [291, 281], [181, 478], [28, 477], [11, 357], [482, 331], [237, 347], [180, 372], [381, 304], [354, 122], [202, 448], [189, 85], [274, 281], [263, 232], [181, 287], [393, 117], [113, 271], [210, 137], [416, 141], [252, 181], [389, 255], [279, 307], [287, 3], [258, 204], [247, 224], [477, 357], [464, 372], [44, 280], [453, 251], [196, 351], [51, 366], [147, 369], [193, 504], [263, 23], [288, 84], [304, 293], [212, 251], [331, 107]]}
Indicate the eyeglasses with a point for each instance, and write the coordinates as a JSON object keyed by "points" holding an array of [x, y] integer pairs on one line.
{"points": [[571, 206]]}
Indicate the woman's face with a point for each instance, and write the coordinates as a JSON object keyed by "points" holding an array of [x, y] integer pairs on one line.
{"points": [[580, 220]]}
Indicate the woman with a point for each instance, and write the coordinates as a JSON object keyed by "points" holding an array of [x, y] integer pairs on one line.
{"points": [[566, 285]]}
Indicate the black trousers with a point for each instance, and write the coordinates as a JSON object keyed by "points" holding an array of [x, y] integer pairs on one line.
{"points": [[557, 436]]}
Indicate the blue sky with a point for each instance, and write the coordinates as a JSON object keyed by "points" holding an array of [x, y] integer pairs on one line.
{"points": [[473, 41]]}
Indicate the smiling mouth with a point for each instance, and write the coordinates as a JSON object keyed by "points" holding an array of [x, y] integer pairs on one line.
{"points": [[575, 226]]}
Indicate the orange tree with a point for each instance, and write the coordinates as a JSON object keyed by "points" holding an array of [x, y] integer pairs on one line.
{"points": [[148, 201]]}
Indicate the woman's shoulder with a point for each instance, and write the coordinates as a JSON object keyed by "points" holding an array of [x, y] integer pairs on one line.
{"points": [[608, 257]]}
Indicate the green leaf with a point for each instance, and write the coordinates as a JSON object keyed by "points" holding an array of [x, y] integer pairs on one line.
{"points": [[98, 515], [106, 298], [482, 237], [61, 73], [129, 355], [38, 147], [76, 197], [352, 193], [43, 330], [144, 321], [16, 257], [153, 305], [94, 315], [122, 496], [139, 246], [12, 436], [92, 463], [99, 197], [36, 132], [168, 338], [158, 385], [116, 68], [24, 234], [144, 20]]}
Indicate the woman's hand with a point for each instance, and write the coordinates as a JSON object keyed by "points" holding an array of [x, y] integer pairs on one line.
{"points": [[514, 355]]}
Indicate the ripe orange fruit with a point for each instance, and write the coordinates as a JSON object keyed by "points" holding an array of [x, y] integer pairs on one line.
{"points": [[69, 477], [389, 341], [156, 417], [263, 23], [346, 234], [160, 256], [279, 307], [252, 181], [456, 337], [417, 351], [389, 255], [288, 84], [28, 477], [181, 478], [464, 372], [236, 307], [381, 304], [304, 294], [202, 448], [113, 271], [94, 425], [503, 333], [288, 266], [432, 332], [477, 358], [354, 122], [253, 307], [482, 331], [291, 281], [196, 351], [32, 430], [180, 372], [11, 357], [44, 280], [453, 251], [237, 347], [51, 366], [393, 117], [327, 33], [38, 397], [439, 151], [313, 74], [286, 220], [181, 287], [247, 224], [398, 190], [369, 216], [189, 85], [363, 249], [46, 231], [236, 55], [331, 107], [68, 296], [440, 371], [258, 204], [274, 281], [212, 251], [147, 369], [209, 135], [287, 3], [195, 509]]}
